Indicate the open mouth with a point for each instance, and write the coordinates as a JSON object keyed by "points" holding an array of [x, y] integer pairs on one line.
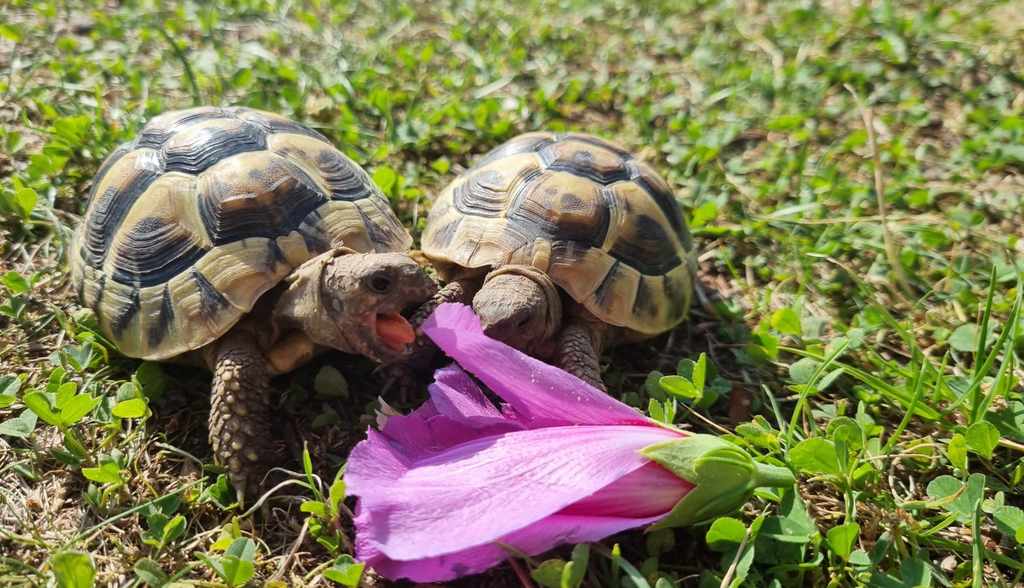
{"points": [[394, 331]]}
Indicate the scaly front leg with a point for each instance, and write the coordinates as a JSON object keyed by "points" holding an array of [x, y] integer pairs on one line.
{"points": [[239, 414], [579, 350]]}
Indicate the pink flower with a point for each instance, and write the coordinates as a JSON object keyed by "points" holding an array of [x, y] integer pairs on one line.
{"points": [[561, 462]]}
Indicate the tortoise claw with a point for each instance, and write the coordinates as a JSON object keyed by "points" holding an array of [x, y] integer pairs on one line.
{"points": [[240, 491]]}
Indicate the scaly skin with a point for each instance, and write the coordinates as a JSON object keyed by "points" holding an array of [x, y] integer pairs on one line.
{"points": [[579, 347], [239, 416]]}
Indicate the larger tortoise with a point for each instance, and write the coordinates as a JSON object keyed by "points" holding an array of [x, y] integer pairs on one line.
{"points": [[246, 241], [566, 244]]}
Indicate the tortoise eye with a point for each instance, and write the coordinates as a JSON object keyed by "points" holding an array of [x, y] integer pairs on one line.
{"points": [[379, 284], [524, 321]]}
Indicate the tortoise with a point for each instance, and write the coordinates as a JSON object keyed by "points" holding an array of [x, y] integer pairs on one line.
{"points": [[244, 241], [566, 244]]}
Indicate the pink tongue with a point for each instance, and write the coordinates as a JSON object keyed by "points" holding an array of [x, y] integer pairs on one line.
{"points": [[395, 330]]}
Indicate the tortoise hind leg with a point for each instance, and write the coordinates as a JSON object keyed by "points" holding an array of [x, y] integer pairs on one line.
{"points": [[579, 347], [239, 413]]}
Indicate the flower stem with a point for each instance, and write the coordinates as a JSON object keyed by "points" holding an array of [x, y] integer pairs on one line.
{"points": [[773, 476]]}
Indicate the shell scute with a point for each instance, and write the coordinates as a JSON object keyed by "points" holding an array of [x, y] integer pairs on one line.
{"points": [[262, 195], [586, 160], [202, 145], [562, 204]]}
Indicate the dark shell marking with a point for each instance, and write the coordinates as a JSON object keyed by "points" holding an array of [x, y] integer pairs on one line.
{"points": [[186, 219]]}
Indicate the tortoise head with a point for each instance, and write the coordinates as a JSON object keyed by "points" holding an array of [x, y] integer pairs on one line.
{"points": [[354, 301], [519, 306]]}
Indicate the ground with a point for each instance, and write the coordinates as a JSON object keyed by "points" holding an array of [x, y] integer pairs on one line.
{"points": [[853, 173]]}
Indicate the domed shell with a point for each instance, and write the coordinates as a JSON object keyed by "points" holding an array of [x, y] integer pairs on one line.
{"points": [[207, 209], [603, 224]]}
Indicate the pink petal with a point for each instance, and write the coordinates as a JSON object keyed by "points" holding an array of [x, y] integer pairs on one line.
{"points": [[535, 539], [455, 394], [543, 394], [651, 491], [480, 490]]}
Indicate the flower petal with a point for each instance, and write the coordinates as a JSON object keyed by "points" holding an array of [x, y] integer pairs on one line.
{"points": [[454, 393], [533, 540], [480, 490], [545, 395], [651, 491]]}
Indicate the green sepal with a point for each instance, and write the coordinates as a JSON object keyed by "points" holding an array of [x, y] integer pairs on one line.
{"points": [[724, 476]]}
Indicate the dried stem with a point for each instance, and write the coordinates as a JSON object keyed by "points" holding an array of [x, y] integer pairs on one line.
{"points": [[890, 247]]}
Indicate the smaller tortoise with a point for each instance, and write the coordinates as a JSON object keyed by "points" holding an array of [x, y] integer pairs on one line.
{"points": [[244, 241], [566, 244]]}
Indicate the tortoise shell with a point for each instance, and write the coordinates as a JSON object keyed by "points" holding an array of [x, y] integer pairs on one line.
{"points": [[207, 209], [602, 224]]}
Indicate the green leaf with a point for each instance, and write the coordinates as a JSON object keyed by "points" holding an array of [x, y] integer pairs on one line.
{"points": [[915, 573], [1020, 534], [704, 213], [725, 533], [441, 165], [38, 403], [842, 538], [846, 430], [330, 382], [815, 456], [174, 529], [150, 572], [884, 581], [860, 558], [78, 357], [65, 393], [22, 426], [9, 385], [786, 320], [314, 507], [1008, 519], [15, 282], [345, 571], [572, 575], [963, 338], [785, 530], [385, 178], [801, 371], [10, 32], [243, 548], [679, 387], [214, 564], [963, 505], [982, 438], [103, 475], [336, 493], [73, 569], [236, 571], [549, 573], [958, 452], [699, 373], [25, 201], [77, 407], [130, 409]]}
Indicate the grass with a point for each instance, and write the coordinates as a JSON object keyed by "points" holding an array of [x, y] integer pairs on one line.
{"points": [[853, 173]]}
